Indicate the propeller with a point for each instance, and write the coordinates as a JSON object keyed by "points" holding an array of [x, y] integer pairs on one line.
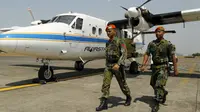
{"points": [[34, 22], [133, 15], [29, 10], [134, 11]]}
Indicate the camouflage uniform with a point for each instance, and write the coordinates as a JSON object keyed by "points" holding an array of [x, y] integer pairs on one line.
{"points": [[116, 53], [161, 52]]}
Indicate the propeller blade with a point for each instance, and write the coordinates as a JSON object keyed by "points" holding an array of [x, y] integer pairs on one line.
{"points": [[144, 3], [124, 8], [29, 10]]}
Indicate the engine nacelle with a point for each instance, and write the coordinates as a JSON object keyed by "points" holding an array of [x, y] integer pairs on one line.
{"points": [[37, 22], [140, 24], [133, 12]]}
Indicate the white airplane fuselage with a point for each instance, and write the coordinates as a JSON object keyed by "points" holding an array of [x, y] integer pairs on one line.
{"points": [[70, 36]]}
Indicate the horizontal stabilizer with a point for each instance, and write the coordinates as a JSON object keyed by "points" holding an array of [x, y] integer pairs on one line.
{"points": [[153, 32]]}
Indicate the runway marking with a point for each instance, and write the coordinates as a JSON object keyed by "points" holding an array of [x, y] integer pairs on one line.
{"points": [[38, 84], [17, 87]]}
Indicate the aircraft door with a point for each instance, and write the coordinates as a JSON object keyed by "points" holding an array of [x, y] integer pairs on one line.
{"points": [[77, 32]]}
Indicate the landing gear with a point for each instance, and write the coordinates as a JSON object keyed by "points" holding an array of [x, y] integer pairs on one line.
{"points": [[46, 72], [79, 66], [134, 68]]}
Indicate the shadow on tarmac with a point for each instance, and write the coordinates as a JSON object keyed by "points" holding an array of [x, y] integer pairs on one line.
{"points": [[146, 99], [181, 75], [38, 66], [61, 76], [85, 73], [115, 101]]}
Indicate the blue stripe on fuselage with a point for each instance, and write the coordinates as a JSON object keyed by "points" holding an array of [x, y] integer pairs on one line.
{"points": [[55, 37]]}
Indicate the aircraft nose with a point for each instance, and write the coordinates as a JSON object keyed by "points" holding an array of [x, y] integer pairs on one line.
{"points": [[7, 43]]}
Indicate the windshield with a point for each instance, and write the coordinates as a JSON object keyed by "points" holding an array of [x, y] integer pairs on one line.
{"points": [[53, 19], [63, 19]]}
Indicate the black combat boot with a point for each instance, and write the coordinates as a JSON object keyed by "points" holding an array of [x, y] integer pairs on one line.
{"points": [[103, 105], [155, 108], [128, 101], [164, 97]]}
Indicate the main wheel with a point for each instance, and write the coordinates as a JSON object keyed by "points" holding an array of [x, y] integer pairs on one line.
{"points": [[45, 74], [133, 68], [79, 65]]}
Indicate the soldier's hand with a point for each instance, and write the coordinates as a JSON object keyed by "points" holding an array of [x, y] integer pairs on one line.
{"points": [[116, 67]]}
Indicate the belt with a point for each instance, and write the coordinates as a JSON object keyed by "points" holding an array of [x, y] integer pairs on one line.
{"points": [[112, 61], [156, 64]]}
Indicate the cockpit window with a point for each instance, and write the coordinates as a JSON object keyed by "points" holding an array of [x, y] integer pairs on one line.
{"points": [[78, 24], [53, 19], [64, 19]]}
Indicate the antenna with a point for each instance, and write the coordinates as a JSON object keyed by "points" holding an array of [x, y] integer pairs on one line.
{"points": [[29, 10]]}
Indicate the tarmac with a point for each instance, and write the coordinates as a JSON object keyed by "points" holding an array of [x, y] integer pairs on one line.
{"points": [[80, 91]]}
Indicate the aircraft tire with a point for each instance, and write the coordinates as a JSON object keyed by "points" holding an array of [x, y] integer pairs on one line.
{"points": [[44, 74], [133, 68], [79, 65]]}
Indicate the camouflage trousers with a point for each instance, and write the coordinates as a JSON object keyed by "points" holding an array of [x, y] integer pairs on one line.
{"points": [[158, 80], [121, 78]]}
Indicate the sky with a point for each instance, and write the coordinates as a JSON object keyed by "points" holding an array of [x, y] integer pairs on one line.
{"points": [[15, 13]]}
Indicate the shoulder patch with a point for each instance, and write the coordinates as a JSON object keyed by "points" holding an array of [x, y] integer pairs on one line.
{"points": [[123, 45]]}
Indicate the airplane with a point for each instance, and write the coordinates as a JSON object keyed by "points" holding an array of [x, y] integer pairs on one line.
{"points": [[81, 38]]}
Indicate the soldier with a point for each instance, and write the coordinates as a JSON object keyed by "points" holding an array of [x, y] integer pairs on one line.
{"points": [[116, 54], [162, 51]]}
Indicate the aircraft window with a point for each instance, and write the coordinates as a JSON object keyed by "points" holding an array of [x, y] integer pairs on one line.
{"points": [[73, 26], [79, 23], [94, 30], [100, 31], [65, 19], [53, 19]]}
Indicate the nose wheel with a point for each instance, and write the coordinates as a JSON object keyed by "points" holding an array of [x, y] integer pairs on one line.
{"points": [[46, 73], [134, 68]]}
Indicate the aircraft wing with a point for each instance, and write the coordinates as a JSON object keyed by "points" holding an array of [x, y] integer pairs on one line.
{"points": [[123, 23], [5, 29], [163, 18], [8, 29], [176, 17]]}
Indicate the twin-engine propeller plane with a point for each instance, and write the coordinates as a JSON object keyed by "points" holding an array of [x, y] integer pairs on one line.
{"points": [[81, 38]]}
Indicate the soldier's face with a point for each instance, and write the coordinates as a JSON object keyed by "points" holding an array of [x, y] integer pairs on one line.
{"points": [[160, 33], [111, 33]]}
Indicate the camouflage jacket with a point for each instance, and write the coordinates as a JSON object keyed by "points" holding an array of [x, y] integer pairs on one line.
{"points": [[116, 52], [161, 51]]}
